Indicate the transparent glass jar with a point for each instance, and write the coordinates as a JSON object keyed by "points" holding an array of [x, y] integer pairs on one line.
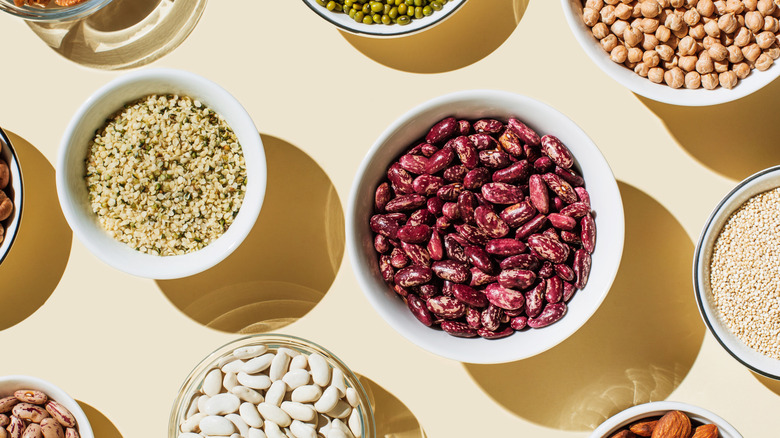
{"points": [[194, 381], [53, 13]]}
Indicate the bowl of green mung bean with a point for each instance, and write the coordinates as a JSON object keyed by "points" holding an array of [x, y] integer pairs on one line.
{"points": [[736, 272], [384, 18]]}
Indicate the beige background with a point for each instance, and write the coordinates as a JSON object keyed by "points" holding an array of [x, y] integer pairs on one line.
{"points": [[123, 345]]}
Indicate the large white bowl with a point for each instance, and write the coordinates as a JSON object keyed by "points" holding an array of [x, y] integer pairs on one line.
{"points": [[9, 384], [599, 181], [343, 22], [15, 191], [700, 97], [72, 189], [753, 185], [635, 413]]}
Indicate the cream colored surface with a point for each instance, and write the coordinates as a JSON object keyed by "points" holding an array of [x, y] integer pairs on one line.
{"points": [[123, 345]]}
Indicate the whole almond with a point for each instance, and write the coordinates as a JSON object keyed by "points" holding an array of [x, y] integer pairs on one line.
{"points": [[706, 431], [623, 434], [674, 424], [644, 428]]}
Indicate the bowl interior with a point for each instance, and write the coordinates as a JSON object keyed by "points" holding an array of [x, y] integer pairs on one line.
{"points": [[9, 384], [761, 182], [632, 414], [73, 192], [14, 190], [53, 13], [194, 381], [343, 21], [605, 199], [756, 80]]}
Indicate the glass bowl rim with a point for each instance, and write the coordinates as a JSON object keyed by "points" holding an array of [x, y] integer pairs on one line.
{"points": [[63, 13]]}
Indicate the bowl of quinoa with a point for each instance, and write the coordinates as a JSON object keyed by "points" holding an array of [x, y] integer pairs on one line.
{"points": [[161, 173], [736, 272]]}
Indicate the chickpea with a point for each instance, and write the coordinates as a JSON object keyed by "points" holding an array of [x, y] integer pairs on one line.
{"points": [[619, 27], [691, 17], [710, 81], [650, 8], [764, 62], [704, 64], [743, 38], [641, 69], [765, 39], [668, 65], [656, 75], [619, 54], [754, 21], [750, 5], [727, 39], [608, 15], [663, 33], [705, 7], [742, 70], [623, 11], [692, 80], [673, 22], [766, 7], [600, 31], [673, 42], [728, 23], [649, 42], [611, 2], [718, 52], [728, 79], [751, 52], [708, 42], [651, 58], [735, 54], [687, 46], [687, 63], [721, 66], [773, 52], [677, 3], [691, 3], [674, 77], [771, 24], [734, 6], [610, 42], [697, 31], [712, 29], [637, 12], [720, 7], [664, 3], [594, 4], [665, 52], [590, 17], [634, 55], [649, 25]]}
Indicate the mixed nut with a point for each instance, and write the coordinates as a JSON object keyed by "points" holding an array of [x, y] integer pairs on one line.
{"points": [[673, 424], [34, 415], [6, 205], [484, 228]]}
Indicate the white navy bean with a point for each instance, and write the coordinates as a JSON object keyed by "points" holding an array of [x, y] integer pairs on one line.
{"points": [[216, 425], [275, 414], [355, 423], [328, 400], [302, 430], [289, 351], [279, 366], [212, 384], [239, 422], [299, 411], [337, 380], [338, 424], [306, 394], [256, 433], [193, 409], [320, 371], [230, 381], [250, 415], [299, 362], [259, 381], [272, 430], [202, 402], [226, 360], [352, 397], [235, 435], [296, 378], [341, 410], [276, 393], [192, 424], [222, 404], [258, 364], [247, 394], [233, 367], [336, 433], [250, 351]]}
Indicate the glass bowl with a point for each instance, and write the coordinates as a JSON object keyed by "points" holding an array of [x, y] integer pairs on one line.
{"points": [[193, 382], [14, 191], [53, 13]]}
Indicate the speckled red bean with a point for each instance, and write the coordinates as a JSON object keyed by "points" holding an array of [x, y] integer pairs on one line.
{"points": [[417, 254], [560, 187], [419, 310], [434, 205], [446, 307], [413, 163], [426, 291], [557, 151], [413, 276], [442, 131], [455, 174], [473, 234], [515, 173], [405, 203], [383, 225], [467, 203], [398, 258], [464, 127], [490, 223], [531, 227], [494, 159], [571, 177], [504, 297], [510, 142], [481, 260], [489, 334], [491, 317], [488, 126], [528, 135], [588, 233], [561, 221], [518, 214], [476, 178], [473, 318], [543, 164], [582, 264], [538, 194], [521, 261], [570, 237], [480, 278], [534, 300], [547, 248], [483, 141], [414, 233], [501, 193], [427, 185], [469, 295], [568, 291], [553, 292], [382, 196], [466, 151], [458, 329], [518, 323], [564, 272], [546, 270], [582, 195], [435, 246], [451, 270], [520, 279], [532, 153], [576, 210], [551, 313], [505, 247], [400, 180], [421, 217]]}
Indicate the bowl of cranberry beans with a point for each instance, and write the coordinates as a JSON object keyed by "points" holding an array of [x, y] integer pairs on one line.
{"points": [[485, 226]]}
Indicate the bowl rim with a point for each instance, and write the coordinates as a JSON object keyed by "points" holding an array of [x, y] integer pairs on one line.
{"points": [[18, 208], [650, 409], [405, 30], [64, 13], [698, 283], [250, 207], [355, 251], [659, 92], [273, 338], [57, 394]]}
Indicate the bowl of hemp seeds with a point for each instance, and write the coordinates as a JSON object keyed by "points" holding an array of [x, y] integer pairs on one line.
{"points": [[736, 272], [161, 173]]}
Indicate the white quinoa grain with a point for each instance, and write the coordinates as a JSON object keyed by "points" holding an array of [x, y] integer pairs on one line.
{"points": [[166, 175], [745, 273]]}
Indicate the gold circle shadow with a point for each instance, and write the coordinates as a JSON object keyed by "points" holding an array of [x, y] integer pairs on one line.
{"points": [[393, 418], [39, 255], [124, 34], [637, 348], [469, 35], [288, 262], [735, 139], [102, 427]]}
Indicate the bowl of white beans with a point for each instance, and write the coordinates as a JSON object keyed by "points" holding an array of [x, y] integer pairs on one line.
{"points": [[273, 386]]}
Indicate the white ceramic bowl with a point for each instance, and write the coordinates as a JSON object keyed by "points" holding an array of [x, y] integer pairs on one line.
{"points": [[72, 190], [632, 414], [700, 97], [343, 22], [15, 191], [599, 181], [9, 384], [753, 185]]}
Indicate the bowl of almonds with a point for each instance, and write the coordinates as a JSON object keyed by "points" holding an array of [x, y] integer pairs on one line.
{"points": [[682, 52], [32, 407], [665, 419]]}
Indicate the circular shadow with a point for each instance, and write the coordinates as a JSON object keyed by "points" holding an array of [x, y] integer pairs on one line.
{"points": [[770, 384], [102, 427], [638, 346], [124, 34], [287, 263], [40, 253], [735, 139], [393, 418], [470, 34]]}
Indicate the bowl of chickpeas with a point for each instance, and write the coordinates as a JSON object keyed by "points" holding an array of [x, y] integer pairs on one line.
{"points": [[682, 52], [384, 18]]}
